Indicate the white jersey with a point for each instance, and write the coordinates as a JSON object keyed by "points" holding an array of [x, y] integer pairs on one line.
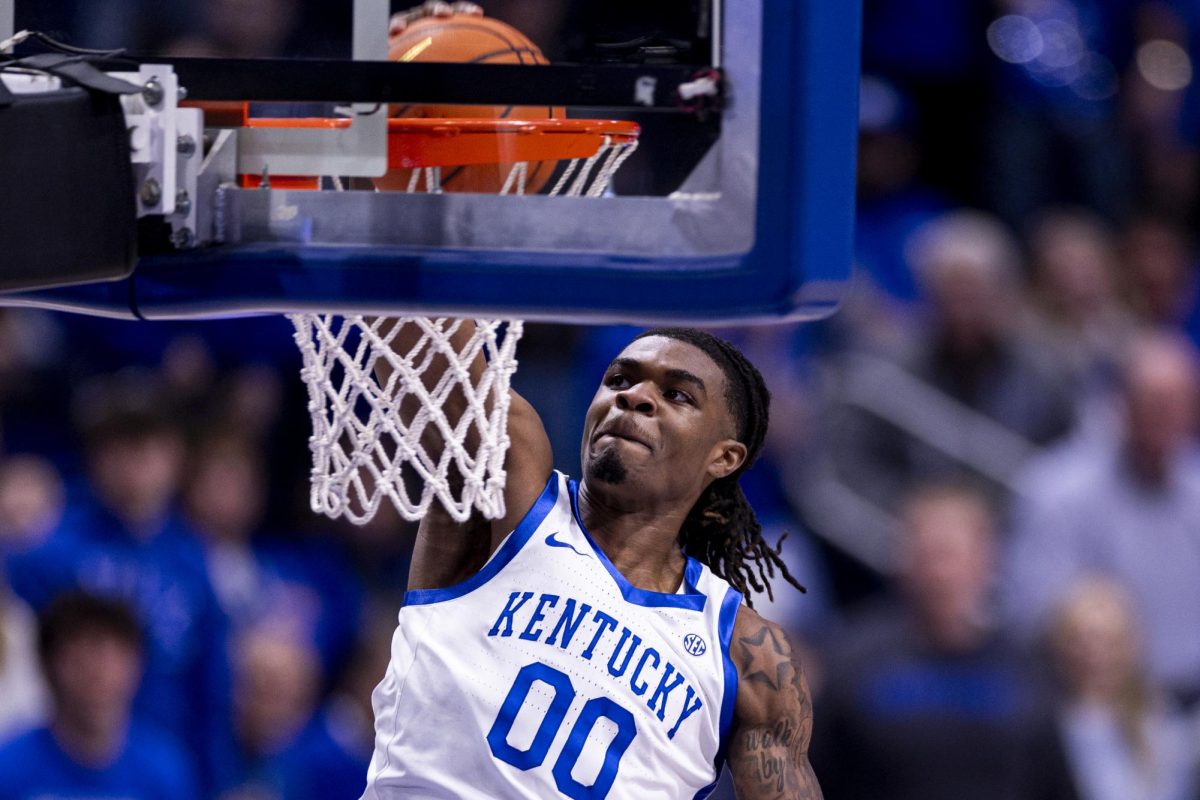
{"points": [[548, 675]]}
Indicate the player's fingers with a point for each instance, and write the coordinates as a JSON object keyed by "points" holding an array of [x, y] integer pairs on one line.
{"points": [[400, 21]]}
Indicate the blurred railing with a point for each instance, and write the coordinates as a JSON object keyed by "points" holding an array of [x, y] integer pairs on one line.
{"points": [[857, 524]]}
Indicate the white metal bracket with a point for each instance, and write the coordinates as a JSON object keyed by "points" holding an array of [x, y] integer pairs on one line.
{"points": [[152, 117]]}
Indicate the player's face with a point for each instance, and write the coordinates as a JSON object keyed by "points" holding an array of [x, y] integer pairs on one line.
{"points": [[659, 427]]}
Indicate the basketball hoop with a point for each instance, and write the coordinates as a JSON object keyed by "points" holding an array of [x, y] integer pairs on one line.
{"points": [[363, 450], [421, 149]]}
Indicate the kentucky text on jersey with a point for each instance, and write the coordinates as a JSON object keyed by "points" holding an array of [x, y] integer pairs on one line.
{"points": [[573, 626], [550, 675]]}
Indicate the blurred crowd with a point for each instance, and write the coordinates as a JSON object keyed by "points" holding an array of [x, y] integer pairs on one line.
{"points": [[986, 462]]}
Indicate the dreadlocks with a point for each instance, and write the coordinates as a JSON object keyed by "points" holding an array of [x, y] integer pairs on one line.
{"points": [[722, 530]]}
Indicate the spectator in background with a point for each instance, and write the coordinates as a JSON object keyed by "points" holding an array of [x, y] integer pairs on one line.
{"points": [[92, 653], [1129, 508], [971, 393], [290, 747], [924, 699], [240, 29], [976, 350], [33, 384], [257, 576], [31, 504], [1121, 739], [22, 693], [277, 680], [335, 752], [1078, 308], [1160, 109], [1159, 265], [125, 540]]}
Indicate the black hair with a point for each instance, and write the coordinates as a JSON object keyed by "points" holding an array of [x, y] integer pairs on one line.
{"points": [[127, 406], [76, 613], [722, 530]]}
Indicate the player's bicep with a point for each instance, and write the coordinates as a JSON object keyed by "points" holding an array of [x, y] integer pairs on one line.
{"points": [[448, 552], [768, 752], [528, 465]]}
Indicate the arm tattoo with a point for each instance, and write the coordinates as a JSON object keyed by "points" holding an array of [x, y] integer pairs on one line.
{"points": [[769, 752], [766, 657]]}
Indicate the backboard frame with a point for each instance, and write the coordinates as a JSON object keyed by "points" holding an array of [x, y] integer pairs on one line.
{"points": [[778, 241]]}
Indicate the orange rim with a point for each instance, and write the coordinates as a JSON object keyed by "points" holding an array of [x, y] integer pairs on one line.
{"points": [[415, 143]]}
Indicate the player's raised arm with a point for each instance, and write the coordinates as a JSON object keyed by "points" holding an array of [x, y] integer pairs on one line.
{"points": [[448, 551], [772, 724]]}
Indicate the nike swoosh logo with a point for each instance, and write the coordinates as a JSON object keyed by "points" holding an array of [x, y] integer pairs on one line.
{"points": [[554, 542]]}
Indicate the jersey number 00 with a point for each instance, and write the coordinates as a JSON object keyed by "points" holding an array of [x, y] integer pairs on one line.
{"points": [[535, 755]]}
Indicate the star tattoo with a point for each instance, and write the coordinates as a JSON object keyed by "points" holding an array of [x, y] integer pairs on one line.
{"points": [[766, 661]]}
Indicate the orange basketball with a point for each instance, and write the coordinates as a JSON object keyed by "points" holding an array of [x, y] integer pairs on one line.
{"points": [[469, 39]]}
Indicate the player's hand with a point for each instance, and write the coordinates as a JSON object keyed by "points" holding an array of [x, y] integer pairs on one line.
{"points": [[430, 8]]}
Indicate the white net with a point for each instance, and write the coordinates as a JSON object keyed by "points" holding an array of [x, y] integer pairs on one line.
{"points": [[381, 430]]}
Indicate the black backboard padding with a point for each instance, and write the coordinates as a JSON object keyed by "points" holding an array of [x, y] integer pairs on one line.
{"points": [[67, 211]]}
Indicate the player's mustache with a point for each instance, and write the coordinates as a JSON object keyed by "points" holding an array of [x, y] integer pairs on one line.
{"points": [[625, 428]]}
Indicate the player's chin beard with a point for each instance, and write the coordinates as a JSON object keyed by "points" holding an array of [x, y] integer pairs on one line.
{"points": [[608, 468]]}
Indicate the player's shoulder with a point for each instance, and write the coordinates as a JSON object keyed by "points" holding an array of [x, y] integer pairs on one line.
{"points": [[751, 625], [768, 666]]}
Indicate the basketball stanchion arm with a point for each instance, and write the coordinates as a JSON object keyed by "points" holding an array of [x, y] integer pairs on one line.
{"points": [[388, 281]]}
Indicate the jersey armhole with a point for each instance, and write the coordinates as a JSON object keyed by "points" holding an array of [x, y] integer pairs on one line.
{"points": [[505, 553], [725, 621]]}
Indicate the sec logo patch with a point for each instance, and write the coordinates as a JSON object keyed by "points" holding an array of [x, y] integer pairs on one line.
{"points": [[694, 645]]}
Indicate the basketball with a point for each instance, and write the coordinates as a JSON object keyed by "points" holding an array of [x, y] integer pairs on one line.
{"points": [[469, 39]]}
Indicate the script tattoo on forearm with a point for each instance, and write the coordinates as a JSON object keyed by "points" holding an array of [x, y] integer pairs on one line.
{"points": [[770, 761]]}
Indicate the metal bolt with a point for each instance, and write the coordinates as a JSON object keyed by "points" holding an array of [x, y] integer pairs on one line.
{"points": [[183, 203], [185, 145], [150, 192], [152, 92], [181, 93], [183, 238]]}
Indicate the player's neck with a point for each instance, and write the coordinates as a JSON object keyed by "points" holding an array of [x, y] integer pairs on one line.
{"points": [[642, 544]]}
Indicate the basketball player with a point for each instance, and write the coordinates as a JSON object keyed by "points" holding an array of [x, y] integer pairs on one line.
{"points": [[596, 641]]}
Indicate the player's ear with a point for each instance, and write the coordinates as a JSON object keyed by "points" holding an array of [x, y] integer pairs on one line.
{"points": [[727, 455]]}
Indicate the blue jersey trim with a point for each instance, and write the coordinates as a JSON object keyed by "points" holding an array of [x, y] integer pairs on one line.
{"points": [[707, 790], [507, 552], [725, 620], [729, 609], [691, 597]]}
